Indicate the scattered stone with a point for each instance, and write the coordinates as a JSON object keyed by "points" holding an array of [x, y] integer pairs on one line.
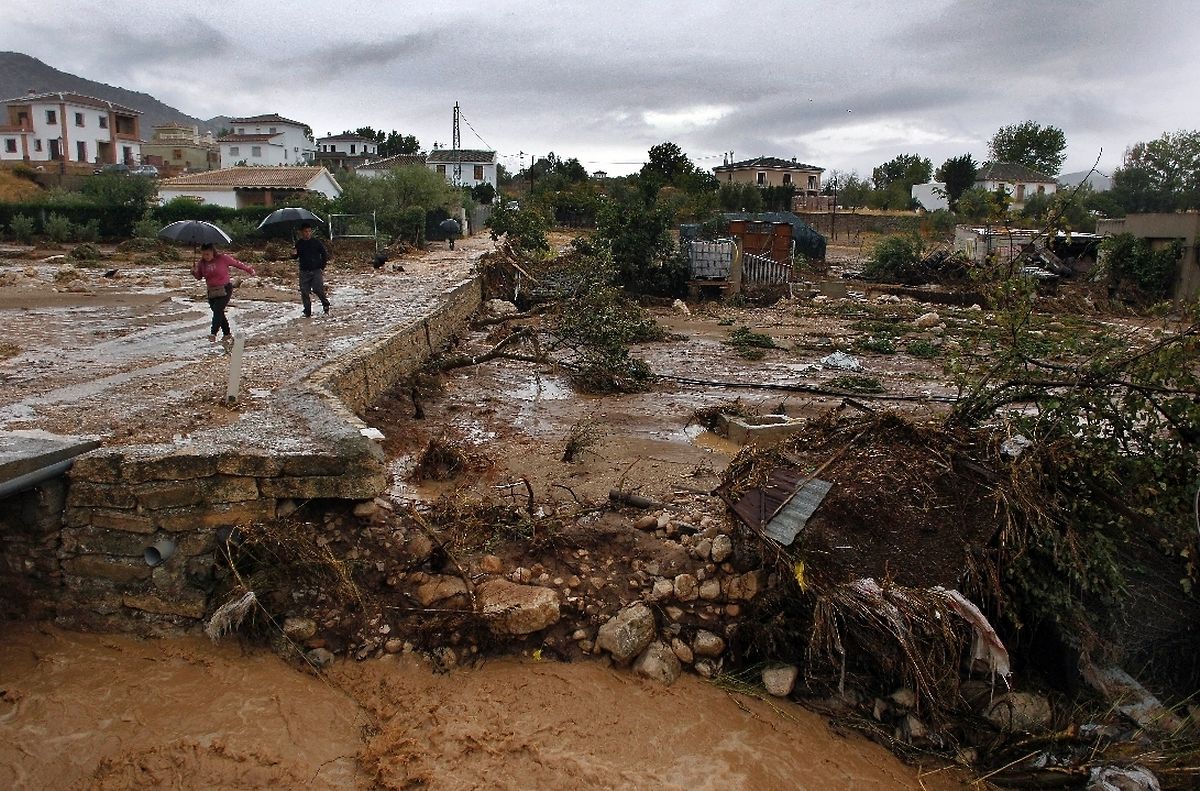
{"points": [[686, 587], [648, 522], [722, 548], [662, 590], [172, 282], [658, 662], [365, 509], [521, 574], [702, 550], [299, 629], [707, 668], [707, 644], [319, 658], [517, 609], [499, 307], [912, 730], [710, 590], [285, 508], [393, 646], [682, 651], [904, 697], [674, 613], [780, 681], [627, 633], [1014, 712], [926, 320], [439, 588], [679, 306], [579, 634]]}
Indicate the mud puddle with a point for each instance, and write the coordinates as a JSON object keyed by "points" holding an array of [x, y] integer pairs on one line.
{"points": [[106, 712]]}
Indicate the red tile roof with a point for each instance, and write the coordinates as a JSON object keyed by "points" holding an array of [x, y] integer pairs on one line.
{"points": [[272, 118], [73, 98], [279, 177]]}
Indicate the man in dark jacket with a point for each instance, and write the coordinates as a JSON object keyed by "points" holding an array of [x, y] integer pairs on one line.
{"points": [[313, 257]]}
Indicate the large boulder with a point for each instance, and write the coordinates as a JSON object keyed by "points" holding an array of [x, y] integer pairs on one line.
{"points": [[658, 662], [1019, 711], [517, 609], [627, 633]]}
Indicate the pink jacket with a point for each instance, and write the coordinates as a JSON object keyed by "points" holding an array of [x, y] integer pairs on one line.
{"points": [[216, 271]]}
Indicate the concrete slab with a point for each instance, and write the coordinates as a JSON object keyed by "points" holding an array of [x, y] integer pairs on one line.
{"points": [[25, 452]]}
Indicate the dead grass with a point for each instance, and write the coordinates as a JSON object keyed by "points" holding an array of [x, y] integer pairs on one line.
{"points": [[14, 189]]}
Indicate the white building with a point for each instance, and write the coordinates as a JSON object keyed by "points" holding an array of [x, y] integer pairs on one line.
{"points": [[348, 146], [266, 140], [379, 167], [239, 187], [931, 196], [1019, 181], [463, 167], [68, 127]]}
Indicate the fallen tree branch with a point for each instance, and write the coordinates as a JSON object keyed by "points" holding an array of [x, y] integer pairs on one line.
{"points": [[797, 388]]}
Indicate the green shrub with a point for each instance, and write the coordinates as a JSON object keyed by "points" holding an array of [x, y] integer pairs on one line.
{"points": [[59, 228], [1130, 262], [147, 227], [879, 344], [750, 345], [88, 231], [923, 349], [86, 252], [22, 227], [856, 384], [896, 259]]}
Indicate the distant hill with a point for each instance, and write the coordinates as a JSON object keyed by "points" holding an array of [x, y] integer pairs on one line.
{"points": [[20, 73], [1098, 181]]}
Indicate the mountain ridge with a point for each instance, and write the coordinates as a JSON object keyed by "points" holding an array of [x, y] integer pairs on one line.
{"points": [[21, 73]]}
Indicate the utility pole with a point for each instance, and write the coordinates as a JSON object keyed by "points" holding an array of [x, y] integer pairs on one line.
{"points": [[457, 144], [833, 213]]}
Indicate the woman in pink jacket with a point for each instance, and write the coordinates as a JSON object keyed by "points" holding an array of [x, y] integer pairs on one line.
{"points": [[214, 268]]}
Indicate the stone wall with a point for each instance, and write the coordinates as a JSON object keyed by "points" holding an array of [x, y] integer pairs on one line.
{"points": [[849, 227], [30, 535], [122, 500]]}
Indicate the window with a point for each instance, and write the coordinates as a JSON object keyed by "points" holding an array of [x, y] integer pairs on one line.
{"points": [[81, 151], [272, 130], [37, 145], [10, 145], [787, 178], [104, 122], [1041, 189], [241, 130], [51, 117], [79, 119], [441, 169], [177, 153], [812, 182], [1020, 193], [256, 152], [761, 179], [233, 151], [479, 172], [351, 148]]}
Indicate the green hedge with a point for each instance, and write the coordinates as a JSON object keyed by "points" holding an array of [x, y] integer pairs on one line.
{"points": [[116, 222]]}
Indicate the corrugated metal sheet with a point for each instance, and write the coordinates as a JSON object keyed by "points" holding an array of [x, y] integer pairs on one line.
{"points": [[757, 507], [788, 523]]}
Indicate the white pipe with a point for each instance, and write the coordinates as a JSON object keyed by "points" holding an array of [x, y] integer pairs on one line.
{"points": [[32, 479]]}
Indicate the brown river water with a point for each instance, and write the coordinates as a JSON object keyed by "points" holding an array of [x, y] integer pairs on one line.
{"points": [[84, 711]]}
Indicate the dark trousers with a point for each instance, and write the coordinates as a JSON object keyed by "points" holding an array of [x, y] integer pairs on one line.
{"points": [[312, 281], [219, 322]]}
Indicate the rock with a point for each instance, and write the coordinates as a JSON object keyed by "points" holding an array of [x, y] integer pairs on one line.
{"points": [[517, 609], [926, 320], [393, 646], [707, 644], [912, 730], [299, 629], [707, 668], [319, 658], [710, 590], [490, 564], [658, 662], [703, 549], [1019, 711], [499, 307], [679, 306], [686, 587], [662, 590], [722, 548], [521, 574], [417, 548], [627, 633], [780, 681], [1112, 778], [648, 522], [285, 508], [439, 588], [904, 697], [673, 612], [682, 651], [172, 282], [365, 509]]}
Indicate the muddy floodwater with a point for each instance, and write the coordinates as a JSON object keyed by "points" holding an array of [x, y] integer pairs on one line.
{"points": [[105, 711]]}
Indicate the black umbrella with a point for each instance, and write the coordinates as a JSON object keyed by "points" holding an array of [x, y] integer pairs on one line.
{"points": [[290, 217], [450, 225], [194, 232]]}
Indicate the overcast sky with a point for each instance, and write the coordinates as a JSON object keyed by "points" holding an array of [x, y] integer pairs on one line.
{"points": [[841, 85]]}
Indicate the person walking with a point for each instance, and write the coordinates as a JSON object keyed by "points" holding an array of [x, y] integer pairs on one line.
{"points": [[313, 257], [213, 268]]}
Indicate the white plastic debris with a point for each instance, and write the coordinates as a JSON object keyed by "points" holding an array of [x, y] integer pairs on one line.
{"points": [[1111, 778], [370, 432], [1014, 446], [842, 362], [986, 646]]}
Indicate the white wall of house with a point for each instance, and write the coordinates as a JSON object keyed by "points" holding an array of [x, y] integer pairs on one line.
{"points": [[473, 173], [210, 196], [931, 196], [297, 147], [83, 126], [353, 148], [325, 184], [1019, 192], [256, 152]]}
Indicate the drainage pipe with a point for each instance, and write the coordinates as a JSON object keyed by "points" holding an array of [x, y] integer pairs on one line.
{"points": [[32, 479]]}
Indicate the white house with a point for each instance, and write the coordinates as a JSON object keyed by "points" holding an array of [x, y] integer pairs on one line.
{"points": [[376, 169], [1019, 181], [266, 140], [68, 127], [931, 196], [348, 145], [463, 167], [239, 187]]}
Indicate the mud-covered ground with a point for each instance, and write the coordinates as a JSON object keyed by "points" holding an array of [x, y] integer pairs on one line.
{"points": [[111, 712]]}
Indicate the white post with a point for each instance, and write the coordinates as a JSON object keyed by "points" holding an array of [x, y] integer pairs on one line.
{"points": [[235, 369]]}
